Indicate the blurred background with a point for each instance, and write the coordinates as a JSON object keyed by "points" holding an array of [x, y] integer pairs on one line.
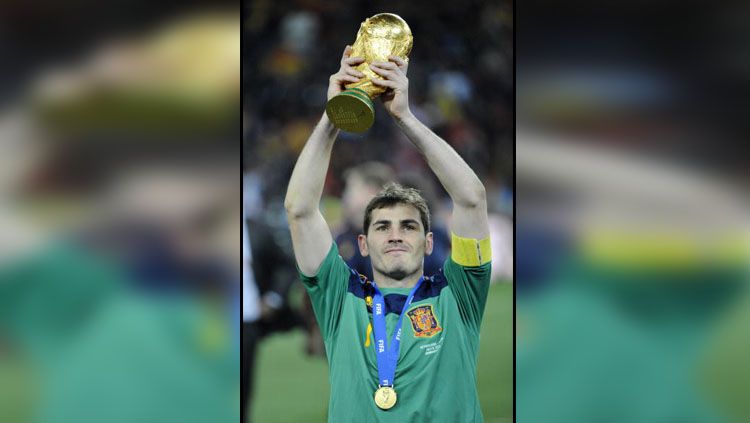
{"points": [[120, 207], [632, 216], [461, 86], [119, 173]]}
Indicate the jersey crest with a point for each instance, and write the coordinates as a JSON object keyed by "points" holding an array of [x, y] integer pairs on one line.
{"points": [[423, 321]]}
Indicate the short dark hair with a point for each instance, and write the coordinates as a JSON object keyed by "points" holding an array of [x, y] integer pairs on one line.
{"points": [[393, 194]]}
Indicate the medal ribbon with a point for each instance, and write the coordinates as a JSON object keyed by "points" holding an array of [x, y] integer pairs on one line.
{"points": [[387, 355]]}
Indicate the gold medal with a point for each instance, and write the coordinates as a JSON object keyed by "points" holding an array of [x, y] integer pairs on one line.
{"points": [[385, 397]]}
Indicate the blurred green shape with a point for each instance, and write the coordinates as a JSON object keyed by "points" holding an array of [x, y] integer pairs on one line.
{"points": [[724, 365], [144, 360], [48, 297], [603, 344], [95, 350], [16, 389]]}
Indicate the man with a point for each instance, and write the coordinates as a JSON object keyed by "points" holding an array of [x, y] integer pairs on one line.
{"points": [[362, 183], [404, 346]]}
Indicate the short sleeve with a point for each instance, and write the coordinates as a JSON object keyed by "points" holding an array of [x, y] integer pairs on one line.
{"points": [[327, 290], [468, 273]]}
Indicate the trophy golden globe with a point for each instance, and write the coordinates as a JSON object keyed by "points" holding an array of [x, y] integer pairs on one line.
{"points": [[379, 36]]}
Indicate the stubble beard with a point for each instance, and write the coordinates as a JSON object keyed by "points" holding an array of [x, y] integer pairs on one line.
{"points": [[399, 273]]}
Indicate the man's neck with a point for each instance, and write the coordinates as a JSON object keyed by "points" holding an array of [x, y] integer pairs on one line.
{"points": [[384, 281]]}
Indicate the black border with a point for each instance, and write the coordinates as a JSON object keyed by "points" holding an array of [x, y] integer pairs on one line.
{"points": [[242, 196], [515, 198]]}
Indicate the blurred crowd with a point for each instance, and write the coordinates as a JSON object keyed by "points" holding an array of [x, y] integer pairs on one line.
{"points": [[461, 85]]}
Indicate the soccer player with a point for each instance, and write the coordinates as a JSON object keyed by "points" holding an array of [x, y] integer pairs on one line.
{"points": [[402, 347]]}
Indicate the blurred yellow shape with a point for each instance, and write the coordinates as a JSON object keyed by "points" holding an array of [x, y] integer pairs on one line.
{"points": [[655, 249]]}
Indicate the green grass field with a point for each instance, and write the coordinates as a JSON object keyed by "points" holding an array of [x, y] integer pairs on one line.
{"points": [[284, 374]]}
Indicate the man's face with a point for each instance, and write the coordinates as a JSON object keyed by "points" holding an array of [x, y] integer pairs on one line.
{"points": [[396, 242]]}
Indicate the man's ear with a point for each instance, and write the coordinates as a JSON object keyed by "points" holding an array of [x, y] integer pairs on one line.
{"points": [[428, 244], [362, 241]]}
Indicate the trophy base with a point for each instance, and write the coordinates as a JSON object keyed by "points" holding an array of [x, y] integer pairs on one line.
{"points": [[351, 110]]}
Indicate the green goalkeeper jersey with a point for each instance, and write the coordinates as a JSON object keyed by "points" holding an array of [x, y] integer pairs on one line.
{"points": [[436, 370]]}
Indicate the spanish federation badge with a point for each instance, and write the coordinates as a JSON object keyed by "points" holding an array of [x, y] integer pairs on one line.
{"points": [[385, 397], [423, 321]]}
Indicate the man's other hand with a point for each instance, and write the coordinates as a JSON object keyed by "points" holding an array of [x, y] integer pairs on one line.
{"points": [[346, 74], [396, 97]]}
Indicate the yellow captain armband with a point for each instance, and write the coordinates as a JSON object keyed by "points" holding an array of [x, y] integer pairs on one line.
{"points": [[470, 252]]}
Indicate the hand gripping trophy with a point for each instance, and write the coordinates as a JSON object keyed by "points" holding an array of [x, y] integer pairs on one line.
{"points": [[379, 36]]}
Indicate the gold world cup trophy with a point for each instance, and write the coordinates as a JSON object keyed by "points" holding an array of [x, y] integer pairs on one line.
{"points": [[379, 36]]}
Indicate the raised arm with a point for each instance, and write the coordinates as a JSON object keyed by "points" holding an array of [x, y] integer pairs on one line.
{"points": [[311, 237], [462, 184]]}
